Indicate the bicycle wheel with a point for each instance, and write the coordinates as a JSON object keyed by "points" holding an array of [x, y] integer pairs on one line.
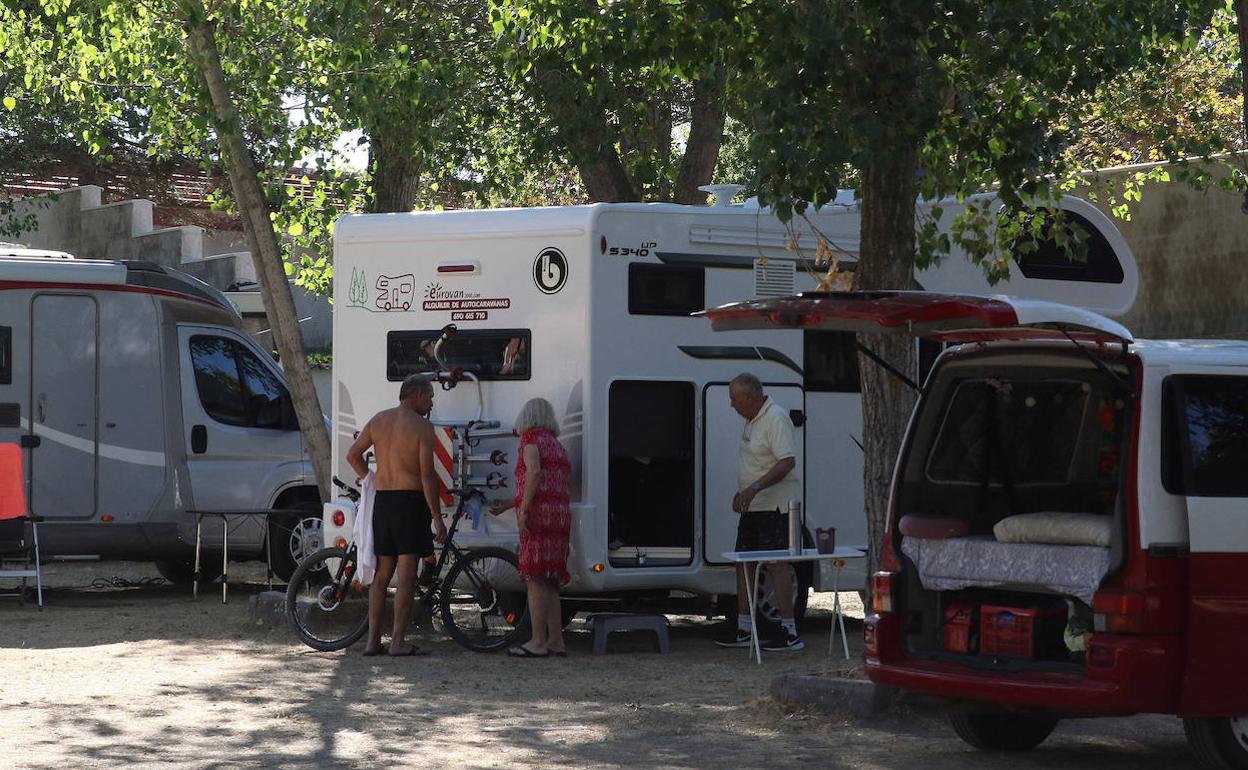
{"points": [[326, 603], [483, 601]]}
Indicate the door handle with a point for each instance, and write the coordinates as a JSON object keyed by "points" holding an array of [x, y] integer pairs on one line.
{"points": [[199, 439], [40, 407]]}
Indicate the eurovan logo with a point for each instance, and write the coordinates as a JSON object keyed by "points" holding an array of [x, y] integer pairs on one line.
{"points": [[435, 291]]}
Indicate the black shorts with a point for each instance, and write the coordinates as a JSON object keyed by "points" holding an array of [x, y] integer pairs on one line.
{"points": [[401, 523], [763, 531]]}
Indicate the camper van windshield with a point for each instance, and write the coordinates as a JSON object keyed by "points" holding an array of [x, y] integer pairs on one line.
{"points": [[491, 354]]}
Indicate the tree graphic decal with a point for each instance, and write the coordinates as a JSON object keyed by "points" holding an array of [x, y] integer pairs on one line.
{"points": [[358, 292]]}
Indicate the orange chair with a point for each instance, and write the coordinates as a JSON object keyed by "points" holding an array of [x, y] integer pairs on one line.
{"points": [[19, 529]]}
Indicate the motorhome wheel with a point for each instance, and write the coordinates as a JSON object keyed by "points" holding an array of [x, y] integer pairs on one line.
{"points": [[768, 611], [1002, 732], [295, 536], [1219, 742]]}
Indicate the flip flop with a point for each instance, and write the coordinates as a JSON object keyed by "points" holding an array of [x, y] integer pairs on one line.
{"points": [[379, 651], [558, 653], [525, 652], [414, 652]]}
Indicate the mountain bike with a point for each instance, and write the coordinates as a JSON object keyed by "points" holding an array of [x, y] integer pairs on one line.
{"points": [[476, 593]]}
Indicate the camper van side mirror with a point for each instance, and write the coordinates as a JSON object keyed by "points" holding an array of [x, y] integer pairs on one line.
{"points": [[289, 420]]}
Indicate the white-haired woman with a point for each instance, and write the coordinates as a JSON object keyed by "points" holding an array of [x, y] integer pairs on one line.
{"points": [[542, 512]]}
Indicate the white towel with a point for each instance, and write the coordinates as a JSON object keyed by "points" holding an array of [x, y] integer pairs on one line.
{"points": [[362, 531]]}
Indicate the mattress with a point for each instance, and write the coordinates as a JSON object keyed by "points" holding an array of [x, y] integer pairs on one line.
{"points": [[980, 561]]}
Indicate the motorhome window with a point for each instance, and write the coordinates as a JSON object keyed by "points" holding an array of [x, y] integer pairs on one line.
{"points": [[830, 362], [665, 289], [1046, 259], [491, 354], [1011, 432], [6, 355], [216, 379], [263, 390], [1214, 435]]}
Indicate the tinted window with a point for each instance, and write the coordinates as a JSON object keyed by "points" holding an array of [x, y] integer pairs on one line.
{"points": [[1015, 432], [263, 390], [491, 354], [1212, 413], [1045, 259], [830, 361], [216, 379], [6, 355], [665, 289], [235, 387]]}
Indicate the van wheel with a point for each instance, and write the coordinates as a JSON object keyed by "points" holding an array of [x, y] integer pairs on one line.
{"points": [[182, 572], [768, 610], [295, 536], [1002, 732], [1221, 743]]}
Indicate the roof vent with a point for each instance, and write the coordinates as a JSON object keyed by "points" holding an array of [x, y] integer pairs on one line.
{"points": [[723, 193], [774, 277]]}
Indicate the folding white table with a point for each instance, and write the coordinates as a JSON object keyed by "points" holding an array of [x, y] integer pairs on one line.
{"points": [[836, 557]]}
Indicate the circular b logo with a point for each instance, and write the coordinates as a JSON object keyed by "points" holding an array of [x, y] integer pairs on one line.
{"points": [[550, 271]]}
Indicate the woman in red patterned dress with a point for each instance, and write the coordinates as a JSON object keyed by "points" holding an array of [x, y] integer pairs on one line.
{"points": [[545, 520]]}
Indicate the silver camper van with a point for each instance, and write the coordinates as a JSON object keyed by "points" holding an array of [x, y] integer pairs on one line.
{"points": [[137, 397]]}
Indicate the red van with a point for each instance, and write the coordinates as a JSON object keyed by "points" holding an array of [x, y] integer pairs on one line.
{"points": [[1068, 527]]}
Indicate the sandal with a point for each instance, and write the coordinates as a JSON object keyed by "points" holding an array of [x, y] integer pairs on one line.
{"points": [[524, 652]]}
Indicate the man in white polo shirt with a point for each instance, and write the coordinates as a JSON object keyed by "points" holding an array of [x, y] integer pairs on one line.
{"points": [[766, 480]]}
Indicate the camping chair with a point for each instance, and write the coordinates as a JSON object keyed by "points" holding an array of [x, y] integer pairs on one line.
{"points": [[19, 529]]}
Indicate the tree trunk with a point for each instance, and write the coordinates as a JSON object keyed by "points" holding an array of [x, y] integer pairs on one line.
{"points": [[396, 171], [279, 305], [706, 133], [1241, 21], [604, 176], [886, 261], [583, 129]]}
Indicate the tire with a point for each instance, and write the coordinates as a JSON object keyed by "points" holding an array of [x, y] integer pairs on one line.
{"points": [[295, 536], [1220, 743], [483, 601], [323, 618], [768, 612], [1002, 732], [182, 572]]}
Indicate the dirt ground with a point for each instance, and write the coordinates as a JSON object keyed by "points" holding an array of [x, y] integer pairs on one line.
{"points": [[139, 675]]}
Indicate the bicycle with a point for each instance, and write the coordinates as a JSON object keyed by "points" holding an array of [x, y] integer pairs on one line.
{"points": [[481, 601]]}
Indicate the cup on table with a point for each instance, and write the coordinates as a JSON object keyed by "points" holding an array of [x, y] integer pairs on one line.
{"points": [[825, 539]]}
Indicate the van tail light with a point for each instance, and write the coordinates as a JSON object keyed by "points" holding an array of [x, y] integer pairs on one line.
{"points": [[1118, 612], [882, 591], [339, 518]]}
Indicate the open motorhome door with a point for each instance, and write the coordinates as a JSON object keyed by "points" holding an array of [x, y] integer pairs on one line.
{"points": [[949, 318]]}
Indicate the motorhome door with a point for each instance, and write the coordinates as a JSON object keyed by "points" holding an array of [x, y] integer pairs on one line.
{"points": [[232, 404], [64, 398], [721, 440]]}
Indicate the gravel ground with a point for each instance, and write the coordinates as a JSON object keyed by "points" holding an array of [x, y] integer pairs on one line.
{"points": [[142, 675]]}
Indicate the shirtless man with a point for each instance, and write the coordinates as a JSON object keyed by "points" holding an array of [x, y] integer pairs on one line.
{"points": [[405, 503]]}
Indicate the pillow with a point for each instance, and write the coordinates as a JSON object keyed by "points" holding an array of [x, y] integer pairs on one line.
{"points": [[1055, 529], [931, 527]]}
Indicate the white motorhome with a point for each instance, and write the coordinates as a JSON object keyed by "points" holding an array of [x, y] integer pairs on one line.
{"points": [[589, 307], [137, 396]]}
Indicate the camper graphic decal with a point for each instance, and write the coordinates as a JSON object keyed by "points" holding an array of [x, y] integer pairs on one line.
{"points": [[550, 270], [395, 292], [357, 291]]}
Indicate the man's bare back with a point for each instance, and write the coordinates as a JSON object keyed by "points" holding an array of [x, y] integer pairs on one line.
{"points": [[402, 443]]}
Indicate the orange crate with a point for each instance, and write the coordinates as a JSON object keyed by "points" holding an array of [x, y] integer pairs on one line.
{"points": [[959, 620], [1019, 632]]}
